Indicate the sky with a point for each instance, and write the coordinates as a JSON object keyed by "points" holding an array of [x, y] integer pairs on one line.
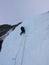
{"points": [[12, 11]]}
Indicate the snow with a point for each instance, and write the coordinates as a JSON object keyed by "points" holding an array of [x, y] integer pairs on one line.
{"points": [[36, 41]]}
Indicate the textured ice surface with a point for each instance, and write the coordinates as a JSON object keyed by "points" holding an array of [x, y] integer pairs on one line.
{"points": [[37, 43]]}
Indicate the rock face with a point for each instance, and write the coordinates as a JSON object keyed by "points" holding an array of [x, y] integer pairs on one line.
{"points": [[5, 30]]}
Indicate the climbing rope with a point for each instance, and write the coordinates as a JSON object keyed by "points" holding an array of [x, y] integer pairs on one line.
{"points": [[23, 40], [17, 53], [23, 50]]}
